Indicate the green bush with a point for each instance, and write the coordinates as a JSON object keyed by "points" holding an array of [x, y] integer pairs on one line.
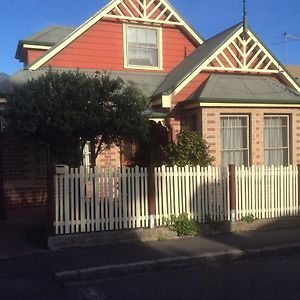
{"points": [[190, 149], [182, 225], [248, 219]]}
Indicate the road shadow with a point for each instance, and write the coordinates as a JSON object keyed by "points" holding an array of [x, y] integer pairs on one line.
{"points": [[23, 231]]}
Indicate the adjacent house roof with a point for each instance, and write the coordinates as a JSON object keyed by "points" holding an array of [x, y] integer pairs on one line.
{"points": [[295, 70], [47, 37], [222, 88], [188, 65], [146, 82]]}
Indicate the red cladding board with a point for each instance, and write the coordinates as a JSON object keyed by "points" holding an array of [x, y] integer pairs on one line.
{"points": [[33, 55], [101, 47], [191, 87]]}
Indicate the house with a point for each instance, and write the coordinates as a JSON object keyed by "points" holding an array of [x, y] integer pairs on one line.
{"points": [[229, 88]]}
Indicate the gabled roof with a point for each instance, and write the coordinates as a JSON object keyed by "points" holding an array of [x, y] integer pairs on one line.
{"points": [[146, 82], [207, 58], [232, 88], [128, 13], [188, 65], [46, 37]]}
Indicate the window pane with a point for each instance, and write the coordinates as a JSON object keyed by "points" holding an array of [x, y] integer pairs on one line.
{"points": [[152, 38], [234, 140], [131, 35], [142, 56], [276, 140], [142, 46], [141, 37]]}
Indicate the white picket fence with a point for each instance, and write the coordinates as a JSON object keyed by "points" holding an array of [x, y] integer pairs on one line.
{"points": [[101, 199], [200, 192], [267, 192]]}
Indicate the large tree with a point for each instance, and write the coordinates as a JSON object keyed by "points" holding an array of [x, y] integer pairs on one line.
{"points": [[64, 110]]}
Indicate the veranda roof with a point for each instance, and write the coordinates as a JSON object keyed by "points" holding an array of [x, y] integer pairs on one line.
{"points": [[222, 88]]}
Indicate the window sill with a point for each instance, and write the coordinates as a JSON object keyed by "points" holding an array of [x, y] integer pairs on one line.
{"points": [[144, 68]]}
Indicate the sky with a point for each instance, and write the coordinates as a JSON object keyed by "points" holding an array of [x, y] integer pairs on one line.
{"points": [[269, 19]]}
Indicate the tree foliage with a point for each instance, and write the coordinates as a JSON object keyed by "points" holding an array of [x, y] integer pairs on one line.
{"points": [[190, 149], [64, 110]]}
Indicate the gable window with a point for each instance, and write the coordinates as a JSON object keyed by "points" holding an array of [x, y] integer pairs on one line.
{"points": [[235, 140], [142, 47], [276, 140]]}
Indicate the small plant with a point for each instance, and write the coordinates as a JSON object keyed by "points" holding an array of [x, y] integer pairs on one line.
{"points": [[161, 238], [248, 219], [182, 225]]}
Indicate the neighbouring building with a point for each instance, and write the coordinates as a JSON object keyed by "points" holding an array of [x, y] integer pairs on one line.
{"points": [[230, 88]]}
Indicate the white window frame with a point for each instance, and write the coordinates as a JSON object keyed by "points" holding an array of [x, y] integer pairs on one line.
{"points": [[288, 135], [160, 51], [248, 136]]}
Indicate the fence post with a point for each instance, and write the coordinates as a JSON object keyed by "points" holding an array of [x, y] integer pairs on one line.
{"points": [[50, 199], [151, 196], [232, 192]]}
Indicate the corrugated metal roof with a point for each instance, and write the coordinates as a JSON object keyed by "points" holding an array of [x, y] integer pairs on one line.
{"points": [[50, 35], [47, 37], [244, 89], [146, 82], [188, 65]]}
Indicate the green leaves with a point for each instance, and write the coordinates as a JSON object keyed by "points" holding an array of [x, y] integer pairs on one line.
{"points": [[190, 149], [182, 225], [65, 109]]}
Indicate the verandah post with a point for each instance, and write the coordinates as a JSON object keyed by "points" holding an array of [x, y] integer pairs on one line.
{"points": [[151, 196], [232, 192]]}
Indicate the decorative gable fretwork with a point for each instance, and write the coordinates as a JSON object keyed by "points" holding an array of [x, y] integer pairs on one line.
{"points": [[148, 11], [243, 54]]}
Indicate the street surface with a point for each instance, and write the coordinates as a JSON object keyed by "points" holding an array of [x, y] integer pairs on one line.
{"points": [[261, 278]]}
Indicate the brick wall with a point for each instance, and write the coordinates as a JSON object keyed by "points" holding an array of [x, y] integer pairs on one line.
{"points": [[210, 123], [22, 187]]}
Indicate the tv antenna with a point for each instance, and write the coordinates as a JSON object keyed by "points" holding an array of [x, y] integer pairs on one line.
{"points": [[288, 37]]}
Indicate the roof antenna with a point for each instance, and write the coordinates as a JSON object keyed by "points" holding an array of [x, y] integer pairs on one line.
{"points": [[245, 20]]}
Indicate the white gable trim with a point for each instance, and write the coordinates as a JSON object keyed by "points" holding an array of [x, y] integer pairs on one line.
{"points": [[244, 67], [38, 47], [105, 13]]}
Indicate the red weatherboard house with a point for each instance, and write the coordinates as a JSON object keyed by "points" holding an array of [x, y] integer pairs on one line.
{"points": [[229, 88]]}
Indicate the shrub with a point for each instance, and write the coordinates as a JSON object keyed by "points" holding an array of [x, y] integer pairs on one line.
{"points": [[182, 225], [190, 149]]}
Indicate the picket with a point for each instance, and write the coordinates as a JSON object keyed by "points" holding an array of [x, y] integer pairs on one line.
{"points": [[100, 199]]}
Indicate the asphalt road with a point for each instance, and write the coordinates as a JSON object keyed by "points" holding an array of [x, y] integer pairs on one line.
{"points": [[261, 278]]}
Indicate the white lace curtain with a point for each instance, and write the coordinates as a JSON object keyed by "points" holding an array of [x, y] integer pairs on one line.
{"points": [[234, 140], [276, 141]]}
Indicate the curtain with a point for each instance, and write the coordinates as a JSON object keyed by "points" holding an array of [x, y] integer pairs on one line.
{"points": [[276, 141], [142, 46], [234, 140]]}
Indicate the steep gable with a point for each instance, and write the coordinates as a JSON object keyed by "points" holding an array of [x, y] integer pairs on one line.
{"points": [[232, 51], [146, 12]]}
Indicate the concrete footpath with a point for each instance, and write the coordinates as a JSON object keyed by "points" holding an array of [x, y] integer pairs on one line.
{"points": [[115, 260], [23, 253]]}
